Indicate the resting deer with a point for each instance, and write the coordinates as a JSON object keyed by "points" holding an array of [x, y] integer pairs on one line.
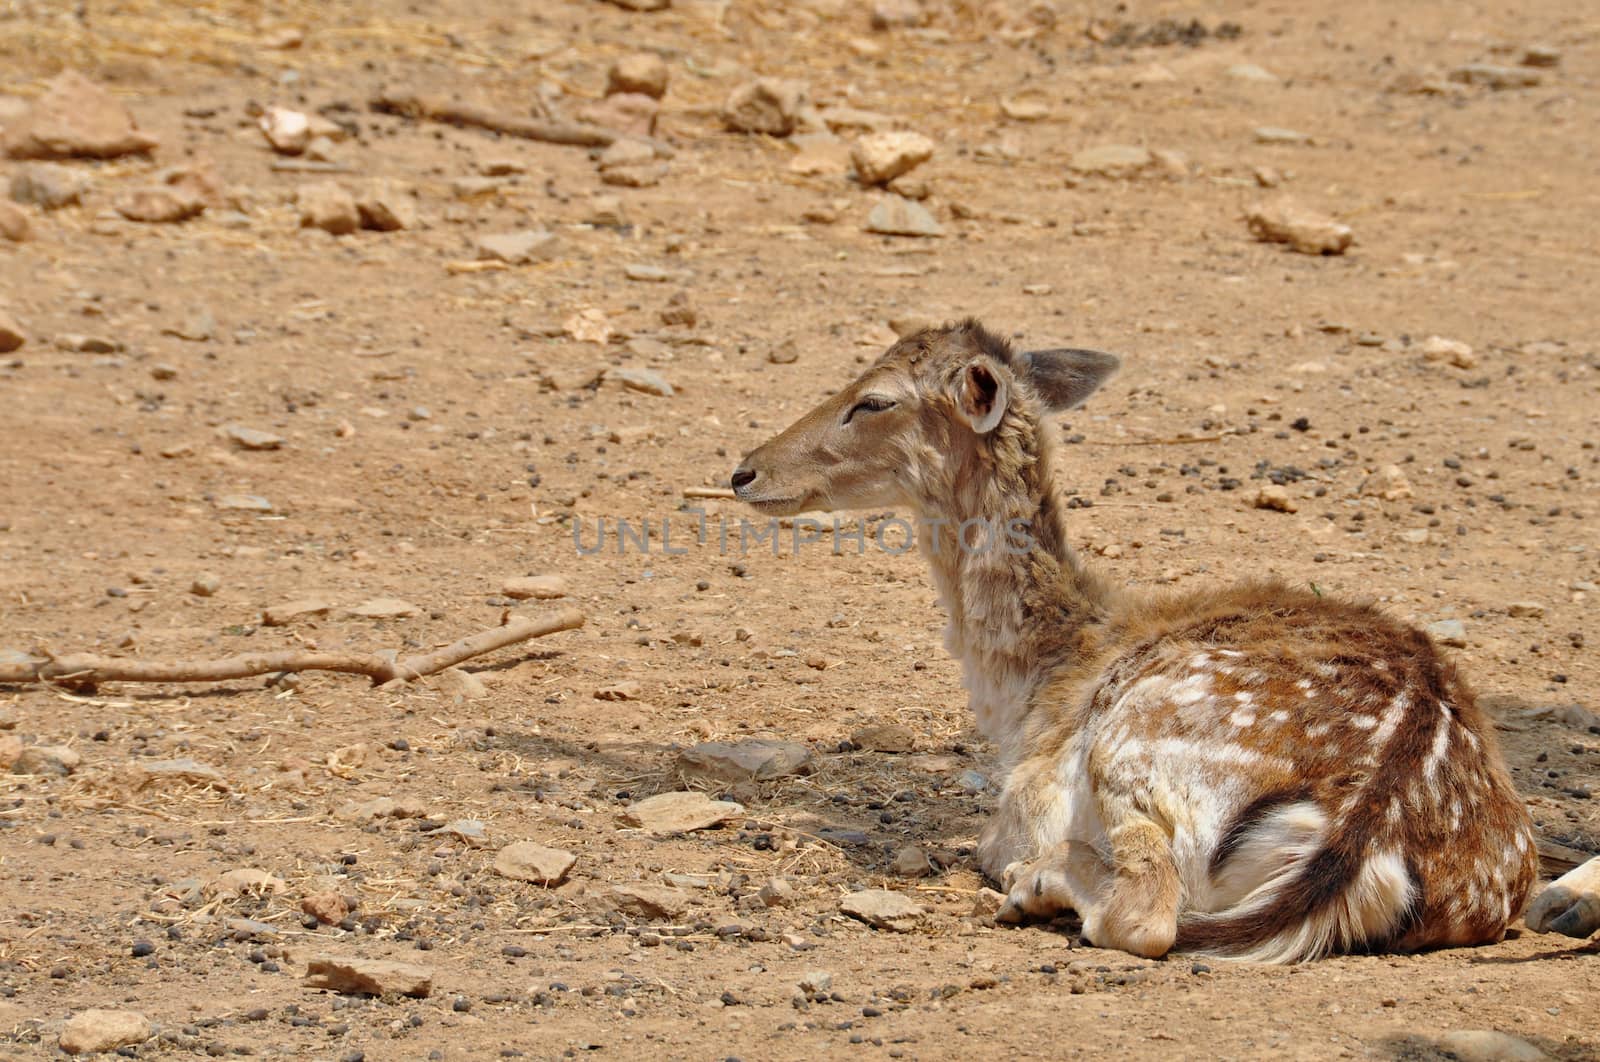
{"points": [[1250, 772]]}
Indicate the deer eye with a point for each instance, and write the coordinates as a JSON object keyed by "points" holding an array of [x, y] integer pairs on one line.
{"points": [[870, 404]]}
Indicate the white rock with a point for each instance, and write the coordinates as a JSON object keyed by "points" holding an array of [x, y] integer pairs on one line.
{"points": [[1451, 632], [1450, 351], [883, 909], [1111, 160], [1525, 610], [537, 587], [881, 157], [895, 216], [681, 812], [647, 381], [517, 248], [328, 206], [1303, 230], [91, 1031], [527, 861], [1252, 73], [750, 760], [287, 131], [252, 438], [767, 105], [369, 977], [385, 608]]}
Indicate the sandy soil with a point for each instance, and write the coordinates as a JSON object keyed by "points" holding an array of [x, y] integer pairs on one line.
{"points": [[437, 440]]}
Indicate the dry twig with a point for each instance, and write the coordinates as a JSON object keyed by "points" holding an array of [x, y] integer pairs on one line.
{"points": [[380, 667], [439, 108]]}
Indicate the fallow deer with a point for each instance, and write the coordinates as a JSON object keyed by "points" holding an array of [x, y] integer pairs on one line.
{"points": [[1252, 772]]}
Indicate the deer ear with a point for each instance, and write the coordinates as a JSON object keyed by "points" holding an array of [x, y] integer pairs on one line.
{"points": [[981, 395], [1066, 378]]}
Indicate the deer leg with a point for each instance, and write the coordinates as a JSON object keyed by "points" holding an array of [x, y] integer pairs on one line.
{"points": [[1070, 876], [1570, 904], [1140, 914]]}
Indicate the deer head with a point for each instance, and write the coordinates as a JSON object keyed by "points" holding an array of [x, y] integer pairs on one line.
{"points": [[904, 431]]}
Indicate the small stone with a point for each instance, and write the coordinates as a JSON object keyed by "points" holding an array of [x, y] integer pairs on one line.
{"points": [[1170, 162], [48, 185], [386, 206], [885, 737], [776, 892], [911, 862], [197, 326], [328, 206], [1416, 536], [606, 211], [643, 5], [649, 274], [1276, 498], [286, 613], [1303, 230], [767, 105], [1449, 351], [76, 343], [75, 118], [287, 131], [1495, 77], [881, 157], [245, 503], [816, 983], [644, 73], [681, 812], [10, 751], [1111, 160], [1388, 483], [626, 690], [517, 248], [883, 909], [1451, 632], [647, 381], [632, 113], [472, 831], [56, 761], [1272, 134], [1525, 610], [186, 770], [13, 223], [11, 334], [895, 216], [252, 438], [646, 176], [164, 205], [650, 901], [385, 608], [527, 861], [987, 903], [1488, 1045], [1025, 108], [92, 1031], [1541, 55], [369, 977], [626, 151], [1252, 73], [458, 685], [329, 908], [244, 881], [537, 587], [785, 353], [750, 760]]}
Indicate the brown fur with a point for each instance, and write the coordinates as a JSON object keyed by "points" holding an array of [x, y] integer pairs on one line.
{"points": [[1243, 770]]}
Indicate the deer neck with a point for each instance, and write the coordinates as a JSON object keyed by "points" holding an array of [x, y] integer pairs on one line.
{"points": [[1019, 600]]}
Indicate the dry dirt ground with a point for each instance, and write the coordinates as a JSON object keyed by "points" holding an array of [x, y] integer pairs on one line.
{"points": [[439, 438]]}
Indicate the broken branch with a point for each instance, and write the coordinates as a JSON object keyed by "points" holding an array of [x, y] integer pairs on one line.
{"points": [[458, 112], [381, 668]]}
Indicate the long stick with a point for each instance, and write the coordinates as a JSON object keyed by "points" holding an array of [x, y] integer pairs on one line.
{"points": [[90, 667], [457, 112]]}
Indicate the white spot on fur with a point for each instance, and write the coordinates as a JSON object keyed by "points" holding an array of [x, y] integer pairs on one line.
{"points": [[1441, 744], [1391, 718], [1363, 722], [1316, 730], [1280, 716], [1242, 717]]}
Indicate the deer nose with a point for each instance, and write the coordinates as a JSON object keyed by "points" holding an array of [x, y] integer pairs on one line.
{"points": [[743, 476]]}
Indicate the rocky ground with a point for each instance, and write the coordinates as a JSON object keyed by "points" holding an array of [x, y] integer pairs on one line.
{"points": [[289, 338]]}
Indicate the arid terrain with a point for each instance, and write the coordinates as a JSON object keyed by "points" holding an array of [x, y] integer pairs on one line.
{"points": [[208, 419]]}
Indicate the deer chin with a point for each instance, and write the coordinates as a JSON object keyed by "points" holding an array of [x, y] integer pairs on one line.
{"points": [[788, 505]]}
